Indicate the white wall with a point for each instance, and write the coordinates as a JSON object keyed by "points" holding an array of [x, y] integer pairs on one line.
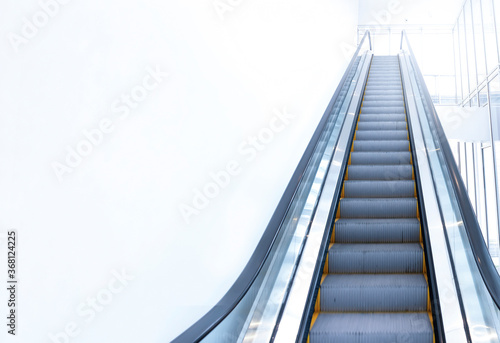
{"points": [[466, 124], [409, 12], [118, 208]]}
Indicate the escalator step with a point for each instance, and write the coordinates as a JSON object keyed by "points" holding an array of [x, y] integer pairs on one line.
{"points": [[380, 172], [382, 135], [382, 103], [372, 328], [382, 91], [377, 230], [382, 110], [382, 117], [382, 97], [386, 125], [378, 208], [373, 293], [345, 258], [380, 158], [379, 189], [378, 145]]}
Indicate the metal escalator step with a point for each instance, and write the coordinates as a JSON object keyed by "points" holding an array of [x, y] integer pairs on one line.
{"points": [[379, 145], [382, 117], [386, 125], [383, 97], [382, 86], [381, 258], [380, 158], [379, 189], [377, 230], [378, 208], [372, 328], [384, 71], [382, 135], [383, 103], [382, 110], [384, 81], [383, 91], [373, 293], [380, 172], [385, 75]]}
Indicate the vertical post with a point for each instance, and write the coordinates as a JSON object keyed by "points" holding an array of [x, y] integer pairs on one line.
{"points": [[495, 29], [466, 167], [466, 54], [454, 61], [475, 48], [485, 202], [493, 151], [460, 63], [474, 177]]}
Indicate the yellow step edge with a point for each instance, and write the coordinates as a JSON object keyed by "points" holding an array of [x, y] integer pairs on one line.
{"points": [[432, 325], [325, 267], [313, 319], [332, 237], [317, 306]]}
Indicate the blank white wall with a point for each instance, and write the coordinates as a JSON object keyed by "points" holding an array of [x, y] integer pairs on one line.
{"points": [[466, 124], [409, 12], [119, 208]]}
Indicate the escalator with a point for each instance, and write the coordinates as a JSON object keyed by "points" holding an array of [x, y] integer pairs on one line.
{"points": [[374, 286], [374, 238]]}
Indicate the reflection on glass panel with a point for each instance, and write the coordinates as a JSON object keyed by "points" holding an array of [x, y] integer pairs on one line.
{"points": [[489, 34], [463, 56], [471, 54], [478, 40]]}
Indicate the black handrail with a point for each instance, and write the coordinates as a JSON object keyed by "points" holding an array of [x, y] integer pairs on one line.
{"points": [[479, 249], [235, 294]]}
